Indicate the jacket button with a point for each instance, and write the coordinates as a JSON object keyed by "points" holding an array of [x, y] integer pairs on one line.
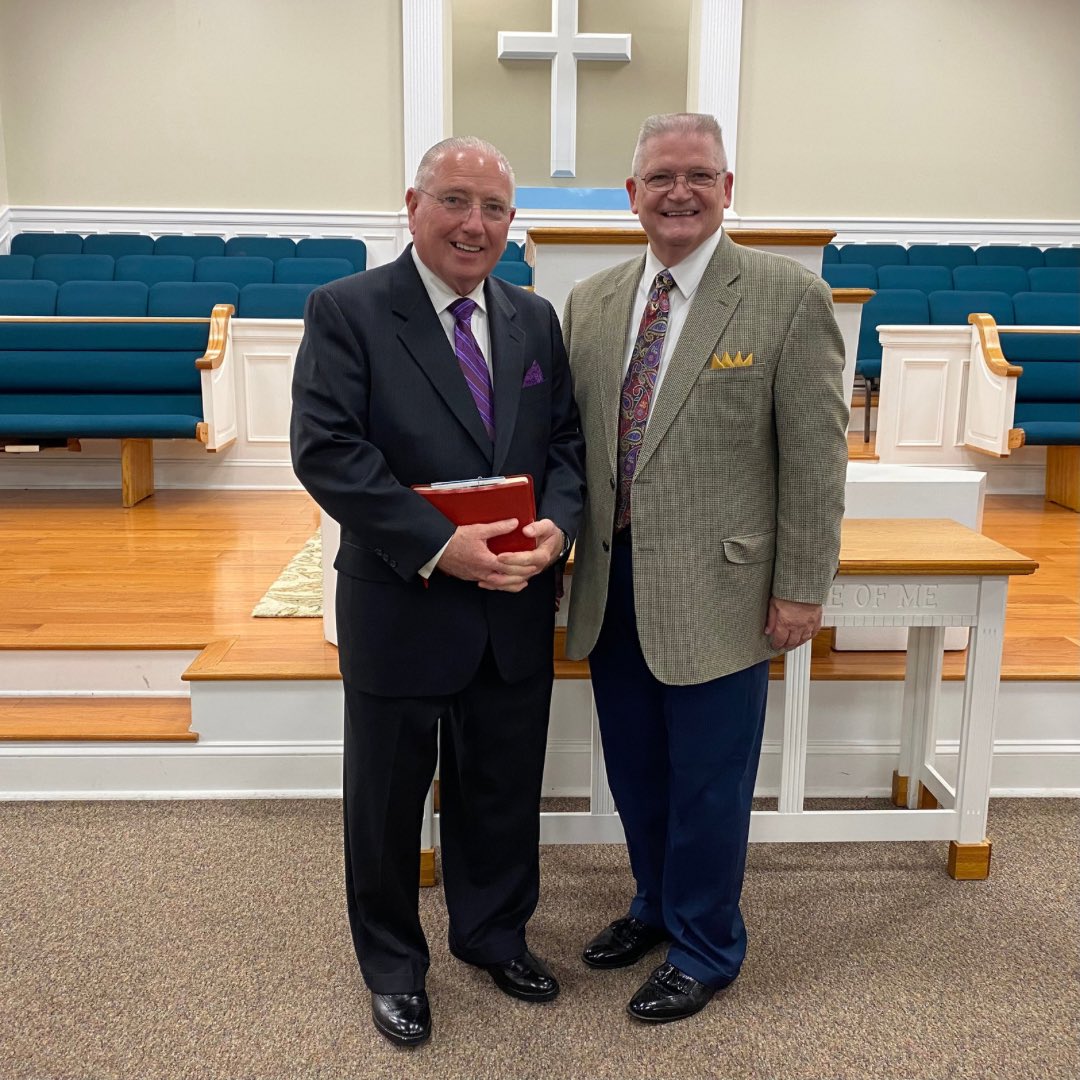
{"points": [[605, 545], [393, 563]]}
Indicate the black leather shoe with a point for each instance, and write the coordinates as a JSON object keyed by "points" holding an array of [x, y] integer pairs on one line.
{"points": [[524, 977], [404, 1019], [669, 994], [622, 943]]}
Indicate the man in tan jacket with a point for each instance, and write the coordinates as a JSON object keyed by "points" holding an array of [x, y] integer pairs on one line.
{"points": [[709, 381]]}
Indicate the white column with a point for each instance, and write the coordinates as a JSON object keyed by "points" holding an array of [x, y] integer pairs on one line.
{"points": [[425, 56], [922, 692], [719, 50], [979, 712], [796, 723]]}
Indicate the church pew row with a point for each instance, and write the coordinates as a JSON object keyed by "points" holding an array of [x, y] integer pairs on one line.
{"points": [[132, 378], [929, 278], [950, 308], [1023, 389], [200, 261], [1026, 256]]}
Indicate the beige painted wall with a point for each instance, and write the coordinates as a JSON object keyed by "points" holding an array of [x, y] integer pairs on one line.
{"points": [[910, 108], [245, 104], [4, 200], [509, 102]]}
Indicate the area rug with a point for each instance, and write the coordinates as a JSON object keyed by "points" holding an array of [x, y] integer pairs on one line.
{"points": [[297, 593]]}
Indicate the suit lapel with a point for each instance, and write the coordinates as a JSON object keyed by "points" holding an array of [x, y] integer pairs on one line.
{"points": [[616, 311], [507, 365], [710, 311], [423, 337]]}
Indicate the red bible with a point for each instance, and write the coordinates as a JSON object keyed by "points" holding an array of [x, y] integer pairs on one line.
{"points": [[487, 499]]}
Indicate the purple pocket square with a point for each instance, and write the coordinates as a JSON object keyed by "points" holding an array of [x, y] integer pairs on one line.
{"points": [[534, 376]]}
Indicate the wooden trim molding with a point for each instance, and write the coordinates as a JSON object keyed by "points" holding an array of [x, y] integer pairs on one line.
{"points": [[219, 335], [991, 346], [750, 237], [782, 237], [851, 296]]}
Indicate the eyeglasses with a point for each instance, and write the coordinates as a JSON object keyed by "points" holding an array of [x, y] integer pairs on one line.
{"points": [[695, 178], [459, 206]]}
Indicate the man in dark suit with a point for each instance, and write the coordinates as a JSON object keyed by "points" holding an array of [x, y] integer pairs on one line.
{"points": [[428, 370], [709, 377]]}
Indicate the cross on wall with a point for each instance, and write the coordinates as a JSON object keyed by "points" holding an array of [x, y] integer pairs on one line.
{"points": [[564, 46]]}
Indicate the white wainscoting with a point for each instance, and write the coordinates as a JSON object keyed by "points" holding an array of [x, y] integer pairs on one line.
{"points": [[252, 745]]}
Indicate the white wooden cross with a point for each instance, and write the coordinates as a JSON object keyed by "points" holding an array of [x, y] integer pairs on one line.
{"points": [[564, 47]]}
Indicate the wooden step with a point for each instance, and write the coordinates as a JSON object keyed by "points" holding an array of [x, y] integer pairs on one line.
{"points": [[859, 450], [97, 719]]}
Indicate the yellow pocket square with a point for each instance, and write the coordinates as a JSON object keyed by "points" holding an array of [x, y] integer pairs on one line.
{"points": [[727, 360]]}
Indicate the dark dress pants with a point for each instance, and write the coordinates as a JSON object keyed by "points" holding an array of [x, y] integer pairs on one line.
{"points": [[491, 738], [681, 762]]}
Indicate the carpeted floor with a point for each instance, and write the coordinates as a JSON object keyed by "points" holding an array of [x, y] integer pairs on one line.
{"points": [[177, 940]]}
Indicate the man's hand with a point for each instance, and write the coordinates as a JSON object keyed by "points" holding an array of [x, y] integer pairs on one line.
{"points": [[516, 567], [790, 623], [468, 557]]}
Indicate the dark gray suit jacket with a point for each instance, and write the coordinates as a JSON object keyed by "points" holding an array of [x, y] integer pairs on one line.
{"points": [[379, 404]]}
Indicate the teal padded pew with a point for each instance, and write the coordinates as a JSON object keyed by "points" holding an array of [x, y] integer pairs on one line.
{"points": [[61, 268], [46, 243], [311, 271], [132, 379], [850, 275], [334, 247], [28, 298], [1025, 255], [273, 301], [261, 247], [16, 267], [117, 244]]}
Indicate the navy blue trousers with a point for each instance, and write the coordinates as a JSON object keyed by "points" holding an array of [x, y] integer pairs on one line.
{"points": [[681, 763]]}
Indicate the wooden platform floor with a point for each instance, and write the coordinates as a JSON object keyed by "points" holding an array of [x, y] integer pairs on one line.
{"points": [[183, 570]]}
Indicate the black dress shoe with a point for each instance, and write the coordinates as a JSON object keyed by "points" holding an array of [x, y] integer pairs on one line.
{"points": [[404, 1019], [524, 977], [622, 943], [669, 994]]}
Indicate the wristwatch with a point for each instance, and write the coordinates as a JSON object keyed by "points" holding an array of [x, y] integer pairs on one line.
{"points": [[565, 544]]}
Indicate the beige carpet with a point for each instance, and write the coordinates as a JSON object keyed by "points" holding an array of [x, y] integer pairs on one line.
{"points": [[297, 592], [208, 940]]}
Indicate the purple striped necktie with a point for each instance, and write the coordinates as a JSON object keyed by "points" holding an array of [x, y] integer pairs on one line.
{"points": [[473, 365]]}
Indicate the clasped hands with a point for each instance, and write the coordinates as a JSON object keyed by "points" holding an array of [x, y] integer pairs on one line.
{"points": [[468, 557]]}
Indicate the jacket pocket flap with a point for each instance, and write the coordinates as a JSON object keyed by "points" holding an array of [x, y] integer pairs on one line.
{"points": [[754, 548]]}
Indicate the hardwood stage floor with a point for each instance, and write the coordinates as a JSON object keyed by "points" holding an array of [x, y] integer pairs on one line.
{"points": [[183, 569]]}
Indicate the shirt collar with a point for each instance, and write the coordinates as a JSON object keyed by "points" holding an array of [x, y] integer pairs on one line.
{"points": [[440, 294], [688, 272]]}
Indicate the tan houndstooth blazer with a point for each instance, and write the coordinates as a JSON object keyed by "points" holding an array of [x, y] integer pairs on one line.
{"points": [[739, 489]]}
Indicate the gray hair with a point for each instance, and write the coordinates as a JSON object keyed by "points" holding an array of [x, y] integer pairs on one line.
{"points": [[682, 124], [451, 146]]}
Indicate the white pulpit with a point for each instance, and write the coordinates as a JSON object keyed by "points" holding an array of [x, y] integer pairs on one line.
{"points": [[561, 257]]}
